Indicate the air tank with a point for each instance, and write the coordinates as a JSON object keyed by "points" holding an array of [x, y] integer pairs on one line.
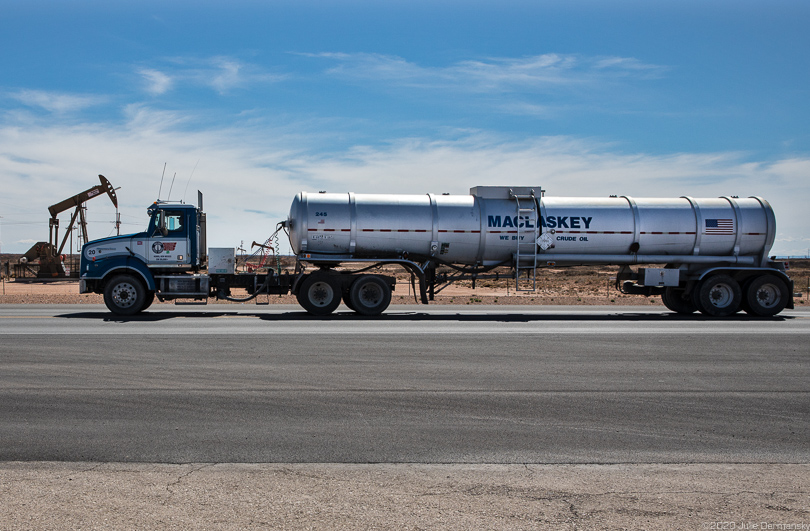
{"points": [[494, 223]]}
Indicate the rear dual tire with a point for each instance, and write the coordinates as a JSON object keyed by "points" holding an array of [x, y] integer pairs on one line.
{"points": [[720, 295], [765, 296], [320, 294], [678, 300], [369, 295]]}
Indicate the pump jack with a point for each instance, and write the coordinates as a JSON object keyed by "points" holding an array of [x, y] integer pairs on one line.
{"points": [[50, 264]]}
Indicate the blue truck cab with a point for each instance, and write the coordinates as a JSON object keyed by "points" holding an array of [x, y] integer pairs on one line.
{"points": [[165, 260]]}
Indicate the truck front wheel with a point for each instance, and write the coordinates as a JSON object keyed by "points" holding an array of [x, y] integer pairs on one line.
{"points": [[124, 295]]}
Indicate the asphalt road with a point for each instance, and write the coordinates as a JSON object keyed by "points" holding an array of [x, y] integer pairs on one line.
{"points": [[436, 384]]}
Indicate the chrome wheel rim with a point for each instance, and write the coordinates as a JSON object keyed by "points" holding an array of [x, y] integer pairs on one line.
{"points": [[721, 295], [124, 295], [371, 295], [321, 294], [768, 295]]}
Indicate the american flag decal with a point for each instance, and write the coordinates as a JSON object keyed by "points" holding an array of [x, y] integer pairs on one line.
{"points": [[719, 226]]}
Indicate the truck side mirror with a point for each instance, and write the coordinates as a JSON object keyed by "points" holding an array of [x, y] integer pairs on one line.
{"points": [[161, 224], [163, 230]]}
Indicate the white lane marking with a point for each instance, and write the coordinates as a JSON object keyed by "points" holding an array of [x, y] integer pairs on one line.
{"points": [[492, 320], [348, 329]]}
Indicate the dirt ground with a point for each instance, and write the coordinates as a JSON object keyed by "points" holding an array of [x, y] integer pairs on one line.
{"points": [[403, 496], [581, 285]]}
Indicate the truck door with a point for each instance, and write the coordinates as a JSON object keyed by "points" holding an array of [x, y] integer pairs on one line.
{"points": [[168, 244]]}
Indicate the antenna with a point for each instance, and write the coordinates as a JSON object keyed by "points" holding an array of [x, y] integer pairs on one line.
{"points": [[161, 180], [170, 187], [189, 180]]}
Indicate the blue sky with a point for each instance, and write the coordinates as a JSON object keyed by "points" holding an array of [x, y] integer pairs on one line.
{"points": [[255, 101]]}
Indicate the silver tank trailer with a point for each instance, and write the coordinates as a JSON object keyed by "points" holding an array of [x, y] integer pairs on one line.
{"points": [[485, 227]]}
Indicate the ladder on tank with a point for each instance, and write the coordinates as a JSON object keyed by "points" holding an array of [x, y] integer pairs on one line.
{"points": [[528, 230]]}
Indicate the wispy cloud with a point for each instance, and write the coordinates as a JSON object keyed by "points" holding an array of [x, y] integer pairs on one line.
{"points": [[220, 73], [230, 74], [491, 74], [57, 102], [157, 82]]}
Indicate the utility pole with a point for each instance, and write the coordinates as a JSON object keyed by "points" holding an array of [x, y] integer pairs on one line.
{"points": [[2, 276]]}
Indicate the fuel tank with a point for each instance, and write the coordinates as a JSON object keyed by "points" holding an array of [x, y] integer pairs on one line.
{"points": [[488, 225]]}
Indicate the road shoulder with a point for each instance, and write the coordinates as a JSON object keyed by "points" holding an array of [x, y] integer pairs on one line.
{"points": [[296, 496]]}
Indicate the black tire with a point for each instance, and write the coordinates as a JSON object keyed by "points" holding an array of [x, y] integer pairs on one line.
{"points": [[370, 295], [347, 300], [678, 301], [766, 295], [319, 294], [124, 295], [148, 299], [718, 296], [744, 286]]}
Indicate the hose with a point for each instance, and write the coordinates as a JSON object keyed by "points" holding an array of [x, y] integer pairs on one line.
{"points": [[469, 269], [276, 248], [261, 289]]}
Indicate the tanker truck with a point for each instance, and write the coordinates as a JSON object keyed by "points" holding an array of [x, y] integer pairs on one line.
{"points": [[707, 255]]}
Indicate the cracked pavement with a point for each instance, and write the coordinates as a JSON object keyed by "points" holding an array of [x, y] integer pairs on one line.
{"points": [[402, 496]]}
